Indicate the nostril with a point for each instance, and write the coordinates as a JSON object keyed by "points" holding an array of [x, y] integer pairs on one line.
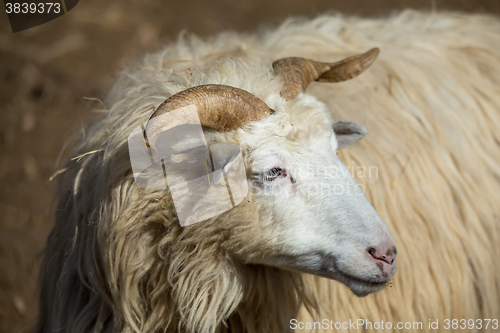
{"points": [[385, 255]]}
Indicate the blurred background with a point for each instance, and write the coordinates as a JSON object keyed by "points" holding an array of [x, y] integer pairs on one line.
{"points": [[48, 72]]}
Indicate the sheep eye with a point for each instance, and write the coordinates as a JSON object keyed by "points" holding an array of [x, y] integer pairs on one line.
{"points": [[273, 174]]}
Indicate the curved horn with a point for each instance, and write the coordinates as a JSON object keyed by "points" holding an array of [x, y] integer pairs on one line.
{"points": [[223, 108], [298, 73]]}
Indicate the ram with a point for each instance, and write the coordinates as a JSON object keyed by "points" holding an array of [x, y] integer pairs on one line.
{"points": [[121, 258]]}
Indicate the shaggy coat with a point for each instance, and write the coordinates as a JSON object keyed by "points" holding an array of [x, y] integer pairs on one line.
{"points": [[118, 261]]}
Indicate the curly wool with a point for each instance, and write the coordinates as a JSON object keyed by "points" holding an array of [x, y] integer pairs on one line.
{"points": [[118, 261]]}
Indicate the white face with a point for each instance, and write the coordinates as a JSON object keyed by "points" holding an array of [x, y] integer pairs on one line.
{"points": [[314, 216]]}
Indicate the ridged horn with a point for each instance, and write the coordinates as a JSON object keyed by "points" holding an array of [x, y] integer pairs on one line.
{"points": [[298, 73], [223, 108]]}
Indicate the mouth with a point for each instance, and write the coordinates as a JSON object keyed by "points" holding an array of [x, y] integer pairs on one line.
{"points": [[359, 286], [326, 266]]}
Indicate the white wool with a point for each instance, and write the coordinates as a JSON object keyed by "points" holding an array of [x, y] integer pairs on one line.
{"points": [[430, 103]]}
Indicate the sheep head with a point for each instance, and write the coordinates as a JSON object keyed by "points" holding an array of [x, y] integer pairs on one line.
{"points": [[304, 220]]}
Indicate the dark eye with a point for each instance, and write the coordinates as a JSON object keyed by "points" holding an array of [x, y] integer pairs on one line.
{"points": [[273, 174]]}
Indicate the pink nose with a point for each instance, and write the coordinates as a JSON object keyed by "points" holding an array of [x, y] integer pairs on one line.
{"points": [[384, 256]]}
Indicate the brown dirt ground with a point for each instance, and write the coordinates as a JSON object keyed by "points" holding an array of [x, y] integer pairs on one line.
{"points": [[45, 73]]}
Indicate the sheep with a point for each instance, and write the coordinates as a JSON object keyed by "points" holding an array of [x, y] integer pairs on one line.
{"points": [[118, 259]]}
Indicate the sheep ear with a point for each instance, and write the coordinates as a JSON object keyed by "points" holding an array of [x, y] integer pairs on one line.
{"points": [[348, 132]]}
